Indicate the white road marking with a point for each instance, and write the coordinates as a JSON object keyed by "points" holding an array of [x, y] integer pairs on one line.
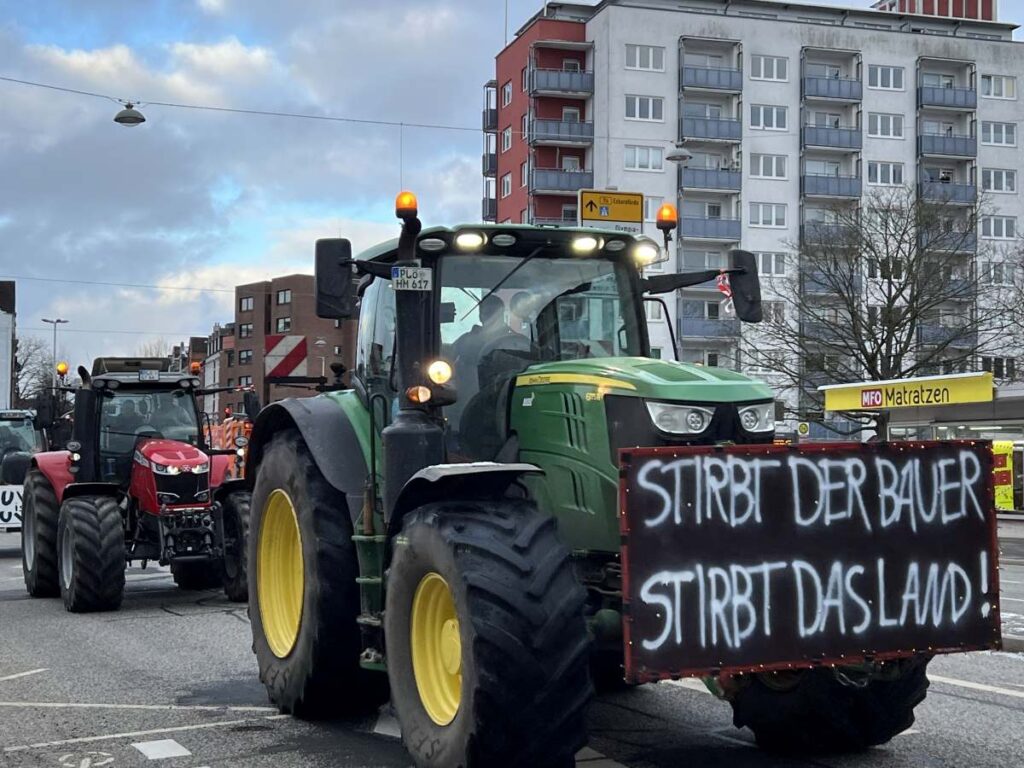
{"points": [[976, 686], [144, 707], [23, 674], [690, 684], [136, 734], [162, 749]]}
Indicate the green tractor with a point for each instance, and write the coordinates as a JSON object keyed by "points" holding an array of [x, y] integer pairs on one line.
{"points": [[449, 527]]}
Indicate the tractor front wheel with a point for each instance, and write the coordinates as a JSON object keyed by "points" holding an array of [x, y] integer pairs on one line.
{"points": [[91, 557], [235, 511], [39, 536], [487, 646], [818, 712]]}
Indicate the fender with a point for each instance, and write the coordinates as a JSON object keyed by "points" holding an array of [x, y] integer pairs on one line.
{"points": [[330, 437], [56, 467], [228, 487], [219, 466], [479, 480], [92, 489]]}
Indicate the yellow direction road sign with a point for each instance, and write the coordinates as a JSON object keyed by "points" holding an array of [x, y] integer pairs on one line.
{"points": [[918, 392], [621, 211]]}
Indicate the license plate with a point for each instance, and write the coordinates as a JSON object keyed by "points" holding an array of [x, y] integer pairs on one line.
{"points": [[147, 375], [412, 278], [10, 506]]}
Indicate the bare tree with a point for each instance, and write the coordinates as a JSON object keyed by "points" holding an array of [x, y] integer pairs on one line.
{"points": [[35, 369], [154, 348], [896, 288]]}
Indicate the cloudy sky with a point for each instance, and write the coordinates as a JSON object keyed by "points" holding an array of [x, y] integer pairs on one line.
{"points": [[196, 201]]}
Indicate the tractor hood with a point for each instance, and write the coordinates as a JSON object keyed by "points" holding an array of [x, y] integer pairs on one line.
{"points": [[650, 379], [171, 453]]}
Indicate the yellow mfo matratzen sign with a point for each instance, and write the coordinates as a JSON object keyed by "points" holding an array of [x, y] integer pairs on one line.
{"points": [[909, 393]]}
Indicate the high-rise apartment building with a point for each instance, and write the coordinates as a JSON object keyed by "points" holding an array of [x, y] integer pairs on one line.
{"points": [[788, 110]]}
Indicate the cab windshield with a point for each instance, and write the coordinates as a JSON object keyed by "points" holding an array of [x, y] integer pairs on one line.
{"points": [[19, 435], [126, 415]]}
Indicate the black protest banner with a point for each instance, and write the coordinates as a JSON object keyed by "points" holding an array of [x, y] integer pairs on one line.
{"points": [[751, 558]]}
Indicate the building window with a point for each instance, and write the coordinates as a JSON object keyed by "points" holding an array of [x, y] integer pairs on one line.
{"points": [[230, 358], [996, 272], [651, 206], [524, 173], [650, 58], [245, 381], [506, 139], [524, 76], [711, 359], [767, 118], [506, 185], [885, 126], [506, 94], [570, 114], [767, 166], [654, 312], [284, 324], [650, 108], [712, 310], [644, 158], [285, 296], [775, 312], [246, 304], [524, 128], [656, 353], [937, 80], [524, 216], [885, 78], [244, 330], [999, 180], [771, 264], [885, 174], [768, 215], [769, 68], [703, 259], [999, 134], [244, 356], [765, 361], [1000, 367], [570, 212], [999, 227], [999, 86]]}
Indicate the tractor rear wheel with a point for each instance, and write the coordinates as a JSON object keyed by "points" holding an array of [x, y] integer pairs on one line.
{"points": [[91, 558], [39, 536], [304, 598], [235, 511], [197, 575], [815, 712], [487, 646]]}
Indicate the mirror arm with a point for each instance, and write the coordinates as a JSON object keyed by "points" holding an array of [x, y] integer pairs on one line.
{"points": [[669, 283], [375, 268]]}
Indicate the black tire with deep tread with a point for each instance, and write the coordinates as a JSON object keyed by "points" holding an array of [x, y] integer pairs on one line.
{"points": [[235, 509], [197, 575], [96, 528], [41, 578], [321, 676], [525, 648], [821, 715]]}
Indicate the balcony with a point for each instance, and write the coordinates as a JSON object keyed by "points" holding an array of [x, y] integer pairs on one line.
{"points": [[934, 334], [704, 328], [825, 232], [827, 185], [819, 331], [489, 162], [949, 242], [947, 98], [490, 119], [560, 82], [821, 284], [556, 181], [821, 137], [490, 209], [561, 132], [703, 228], [712, 79], [709, 129], [710, 179], [947, 145], [833, 88], [946, 192]]}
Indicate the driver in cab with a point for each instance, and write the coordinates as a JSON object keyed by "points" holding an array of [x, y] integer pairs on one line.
{"points": [[492, 333]]}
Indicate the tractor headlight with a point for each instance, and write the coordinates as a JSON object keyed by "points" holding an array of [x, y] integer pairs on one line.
{"points": [[758, 418], [201, 469], [161, 469], [646, 253], [680, 419]]}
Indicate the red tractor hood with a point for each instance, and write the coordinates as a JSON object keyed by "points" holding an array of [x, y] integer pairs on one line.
{"points": [[171, 453]]}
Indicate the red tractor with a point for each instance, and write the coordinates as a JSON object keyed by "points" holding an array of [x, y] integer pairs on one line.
{"points": [[136, 483]]}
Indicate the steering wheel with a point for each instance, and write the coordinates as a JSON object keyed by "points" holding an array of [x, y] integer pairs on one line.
{"points": [[148, 431]]}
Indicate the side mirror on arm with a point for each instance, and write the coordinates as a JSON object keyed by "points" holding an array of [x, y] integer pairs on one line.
{"points": [[251, 403], [746, 286], [335, 299], [44, 414]]}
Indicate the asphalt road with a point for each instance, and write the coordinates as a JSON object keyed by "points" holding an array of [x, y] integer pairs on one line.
{"points": [[172, 674]]}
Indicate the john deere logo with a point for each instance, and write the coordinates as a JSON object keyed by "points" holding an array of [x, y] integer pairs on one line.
{"points": [[871, 398]]}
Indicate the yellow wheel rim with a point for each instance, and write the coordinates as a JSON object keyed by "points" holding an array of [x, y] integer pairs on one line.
{"points": [[436, 649], [280, 576]]}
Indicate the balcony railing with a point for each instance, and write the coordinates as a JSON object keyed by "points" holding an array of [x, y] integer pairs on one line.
{"points": [[949, 98], [557, 180], [490, 119], [825, 232], [710, 178], [561, 81], [951, 242], [947, 192], [490, 209], [710, 128], [819, 331], [947, 145], [820, 284], [704, 328], [827, 185], [561, 132], [838, 88], [833, 138], [957, 338], [489, 161], [712, 78], [703, 228]]}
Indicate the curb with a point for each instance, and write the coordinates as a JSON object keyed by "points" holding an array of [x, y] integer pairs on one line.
{"points": [[1013, 643]]}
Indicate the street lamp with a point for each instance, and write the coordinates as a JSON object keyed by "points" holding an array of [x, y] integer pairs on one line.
{"points": [[129, 116], [321, 342], [55, 322]]}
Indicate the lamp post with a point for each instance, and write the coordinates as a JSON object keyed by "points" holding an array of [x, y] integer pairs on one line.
{"points": [[55, 322], [320, 343]]}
